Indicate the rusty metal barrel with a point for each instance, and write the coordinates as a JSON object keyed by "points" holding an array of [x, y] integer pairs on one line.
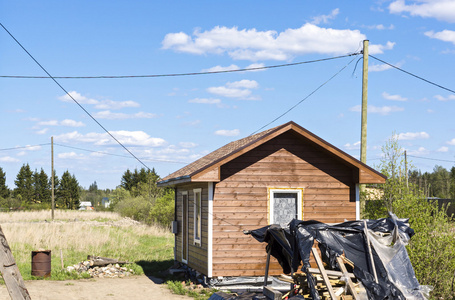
{"points": [[41, 263]]}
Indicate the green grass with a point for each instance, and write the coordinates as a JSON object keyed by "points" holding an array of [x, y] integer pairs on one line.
{"points": [[148, 248]]}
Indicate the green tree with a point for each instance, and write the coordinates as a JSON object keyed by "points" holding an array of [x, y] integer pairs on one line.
{"points": [[431, 248], [41, 187], [4, 191], [24, 184], [68, 191]]}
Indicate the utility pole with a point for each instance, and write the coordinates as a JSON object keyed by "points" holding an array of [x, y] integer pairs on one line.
{"points": [[52, 175], [363, 140]]}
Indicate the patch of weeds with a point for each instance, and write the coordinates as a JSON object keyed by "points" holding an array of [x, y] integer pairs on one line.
{"points": [[188, 288], [69, 283]]}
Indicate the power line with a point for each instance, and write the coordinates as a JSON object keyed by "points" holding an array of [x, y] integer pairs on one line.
{"points": [[310, 94], [119, 155], [24, 147], [66, 92], [180, 74], [409, 73], [444, 160]]}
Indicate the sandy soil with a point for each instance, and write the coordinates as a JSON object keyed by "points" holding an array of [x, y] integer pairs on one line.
{"points": [[134, 287]]}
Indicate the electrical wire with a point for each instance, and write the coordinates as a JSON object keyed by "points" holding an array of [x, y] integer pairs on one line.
{"points": [[452, 161], [24, 147], [119, 155], [409, 73], [180, 74], [309, 95], [66, 92]]}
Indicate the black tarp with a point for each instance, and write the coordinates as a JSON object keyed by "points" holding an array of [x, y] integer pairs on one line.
{"points": [[291, 246]]}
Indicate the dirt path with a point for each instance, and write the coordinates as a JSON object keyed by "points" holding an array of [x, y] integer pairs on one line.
{"points": [[135, 287]]}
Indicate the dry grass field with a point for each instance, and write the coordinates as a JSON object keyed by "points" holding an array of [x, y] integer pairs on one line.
{"points": [[76, 234]]}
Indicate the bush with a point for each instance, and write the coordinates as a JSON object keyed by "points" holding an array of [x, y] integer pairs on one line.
{"points": [[431, 250], [145, 209]]}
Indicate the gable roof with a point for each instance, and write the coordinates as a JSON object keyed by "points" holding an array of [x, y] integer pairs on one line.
{"points": [[207, 167]]}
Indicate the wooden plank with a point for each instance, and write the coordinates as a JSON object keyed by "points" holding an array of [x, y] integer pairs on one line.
{"points": [[288, 178], [324, 273], [331, 272], [10, 272], [348, 279]]}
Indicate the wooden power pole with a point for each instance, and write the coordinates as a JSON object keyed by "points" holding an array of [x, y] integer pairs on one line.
{"points": [[52, 175], [363, 140]]}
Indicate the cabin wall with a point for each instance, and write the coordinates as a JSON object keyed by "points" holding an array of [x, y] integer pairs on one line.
{"points": [[241, 199], [197, 254]]}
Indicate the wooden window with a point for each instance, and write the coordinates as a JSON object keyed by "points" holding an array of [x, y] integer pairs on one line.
{"points": [[197, 216], [285, 205]]}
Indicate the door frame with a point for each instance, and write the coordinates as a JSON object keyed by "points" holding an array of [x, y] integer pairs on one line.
{"points": [[185, 228]]}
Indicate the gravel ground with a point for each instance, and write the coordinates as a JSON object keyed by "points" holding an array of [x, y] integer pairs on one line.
{"points": [[134, 287]]}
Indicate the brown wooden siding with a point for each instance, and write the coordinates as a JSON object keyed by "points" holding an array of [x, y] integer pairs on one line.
{"points": [[197, 255], [241, 200]]}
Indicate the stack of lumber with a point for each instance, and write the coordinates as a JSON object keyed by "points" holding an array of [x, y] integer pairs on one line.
{"points": [[329, 284]]}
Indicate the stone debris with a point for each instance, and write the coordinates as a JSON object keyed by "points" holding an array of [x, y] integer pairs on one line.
{"points": [[109, 271]]}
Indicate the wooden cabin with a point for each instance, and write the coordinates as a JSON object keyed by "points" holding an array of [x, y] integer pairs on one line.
{"points": [[270, 177]]}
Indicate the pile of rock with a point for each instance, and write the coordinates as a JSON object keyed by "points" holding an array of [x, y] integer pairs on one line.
{"points": [[109, 271]]}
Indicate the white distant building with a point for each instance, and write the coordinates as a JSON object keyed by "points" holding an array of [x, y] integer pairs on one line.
{"points": [[86, 205]]}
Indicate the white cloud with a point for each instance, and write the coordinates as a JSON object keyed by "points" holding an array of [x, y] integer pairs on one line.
{"points": [[245, 83], [445, 35], [187, 144], [354, 146], [381, 27], [384, 110], [326, 18], [225, 132], [71, 155], [451, 142], [66, 122], [107, 114], [413, 136], [42, 131], [443, 10], [71, 123], [220, 68], [78, 97], [237, 89], [205, 101], [254, 45], [9, 159], [443, 149], [109, 104], [229, 92], [388, 96], [48, 123], [442, 98], [99, 104], [378, 68], [379, 49], [420, 151], [130, 138]]}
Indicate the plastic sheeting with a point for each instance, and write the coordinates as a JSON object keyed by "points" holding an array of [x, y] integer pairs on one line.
{"points": [[396, 279]]}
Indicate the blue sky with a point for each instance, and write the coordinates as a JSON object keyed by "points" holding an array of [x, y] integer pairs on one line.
{"points": [[168, 122]]}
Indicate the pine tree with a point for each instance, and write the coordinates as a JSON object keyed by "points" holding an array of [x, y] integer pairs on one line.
{"points": [[41, 187], [4, 191], [68, 191], [24, 184]]}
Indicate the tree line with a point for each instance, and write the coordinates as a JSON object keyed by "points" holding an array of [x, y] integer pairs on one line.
{"points": [[440, 183], [33, 189], [137, 196]]}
